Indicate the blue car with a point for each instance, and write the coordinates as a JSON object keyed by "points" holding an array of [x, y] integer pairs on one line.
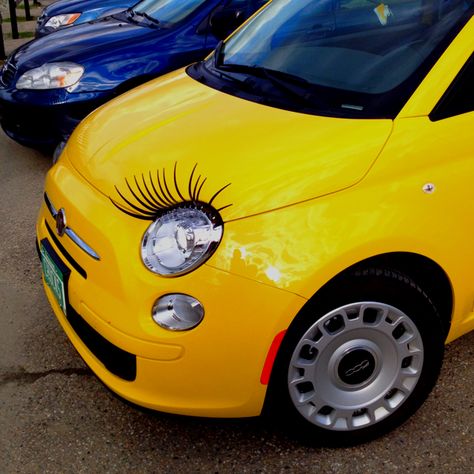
{"points": [[50, 84], [64, 13]]}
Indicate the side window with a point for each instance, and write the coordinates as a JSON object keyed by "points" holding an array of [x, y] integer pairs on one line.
{"points": [[459, 98], [228, 16]]}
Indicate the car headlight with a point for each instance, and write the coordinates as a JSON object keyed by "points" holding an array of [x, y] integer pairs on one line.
{"points": [[62, 20], [181, 239], [51, 76]]}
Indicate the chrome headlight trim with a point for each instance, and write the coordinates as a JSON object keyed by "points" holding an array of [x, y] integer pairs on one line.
{"points": [[181, 239]]}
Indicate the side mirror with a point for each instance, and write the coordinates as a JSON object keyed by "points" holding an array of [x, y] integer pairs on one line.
{"points": [[223, 22]]}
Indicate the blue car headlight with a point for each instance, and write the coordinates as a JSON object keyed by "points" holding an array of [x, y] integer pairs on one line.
{"points": [[51, 76], [62, 20]]}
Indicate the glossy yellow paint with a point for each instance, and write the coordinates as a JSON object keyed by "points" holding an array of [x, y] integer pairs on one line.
{"points": [[441, 75], [378, 216], [254, 156], [310, 197], [119, 292]]}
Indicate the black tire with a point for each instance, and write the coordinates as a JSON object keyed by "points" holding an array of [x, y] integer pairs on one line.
{"points": [[356, 378]]}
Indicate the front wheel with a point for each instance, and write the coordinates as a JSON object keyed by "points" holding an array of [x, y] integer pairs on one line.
{"points": [[360, 359]]}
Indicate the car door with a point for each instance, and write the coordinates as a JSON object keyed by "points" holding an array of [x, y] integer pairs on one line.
{"points": [[427, 169], [453, 119], [457, 104], [453, 122]]}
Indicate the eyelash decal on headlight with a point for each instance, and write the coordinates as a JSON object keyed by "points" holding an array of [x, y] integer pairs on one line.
{"points": [[152, 195]]}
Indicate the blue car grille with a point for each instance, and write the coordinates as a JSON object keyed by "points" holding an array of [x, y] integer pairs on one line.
{"points": [[8, 74]]}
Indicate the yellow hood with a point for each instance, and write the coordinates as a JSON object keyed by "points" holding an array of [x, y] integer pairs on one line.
{"points": [[270, 157]]}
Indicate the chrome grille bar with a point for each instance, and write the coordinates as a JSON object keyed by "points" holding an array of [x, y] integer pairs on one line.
{"points": [[70, 233]]}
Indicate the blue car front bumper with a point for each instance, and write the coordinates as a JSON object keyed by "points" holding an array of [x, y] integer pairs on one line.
{"points": [[41, 119]]}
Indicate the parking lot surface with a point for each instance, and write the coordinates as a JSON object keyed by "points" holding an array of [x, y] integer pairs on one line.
{"points": [[55, 416]]}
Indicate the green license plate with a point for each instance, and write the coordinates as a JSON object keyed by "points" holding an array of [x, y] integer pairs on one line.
{"points": [[54, 278]]}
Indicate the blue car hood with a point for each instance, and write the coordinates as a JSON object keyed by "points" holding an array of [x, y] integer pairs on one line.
{"points": [[79, 6], [84, 43]]}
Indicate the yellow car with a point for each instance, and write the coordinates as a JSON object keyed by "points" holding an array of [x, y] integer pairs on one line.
{"points": [[286, 225]]}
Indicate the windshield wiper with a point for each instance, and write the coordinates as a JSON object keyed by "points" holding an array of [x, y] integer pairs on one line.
{"points": [[289, 84], [130, 14], [285, 82], [147, 16], [218, 59]]}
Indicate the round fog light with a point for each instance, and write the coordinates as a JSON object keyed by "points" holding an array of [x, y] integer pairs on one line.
{"points": [[177, 312]]}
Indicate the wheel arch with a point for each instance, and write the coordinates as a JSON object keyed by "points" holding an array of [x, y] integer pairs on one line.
{"points": [[428, 274], [422, 274]]}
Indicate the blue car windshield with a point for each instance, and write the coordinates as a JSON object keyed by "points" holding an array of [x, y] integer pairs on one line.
{"points": [[361, 48], [168, 12]]}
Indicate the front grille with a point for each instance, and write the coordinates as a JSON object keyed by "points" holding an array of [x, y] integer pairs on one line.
{"points": [[71, 234], [8, 74], [65, 253], [116, 360]]}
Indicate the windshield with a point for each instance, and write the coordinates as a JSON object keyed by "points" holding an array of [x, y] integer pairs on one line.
{"points": [[168, 12], [351, 53]]}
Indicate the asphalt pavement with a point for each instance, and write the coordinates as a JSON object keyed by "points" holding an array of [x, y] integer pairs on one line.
{"points": [[56, 417]]}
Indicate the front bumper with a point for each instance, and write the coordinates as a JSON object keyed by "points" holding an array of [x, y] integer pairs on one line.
{"points": [[212, 370], [43, 118]]}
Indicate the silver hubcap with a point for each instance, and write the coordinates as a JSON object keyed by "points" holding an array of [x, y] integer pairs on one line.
{"points": [[355, 366]]}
